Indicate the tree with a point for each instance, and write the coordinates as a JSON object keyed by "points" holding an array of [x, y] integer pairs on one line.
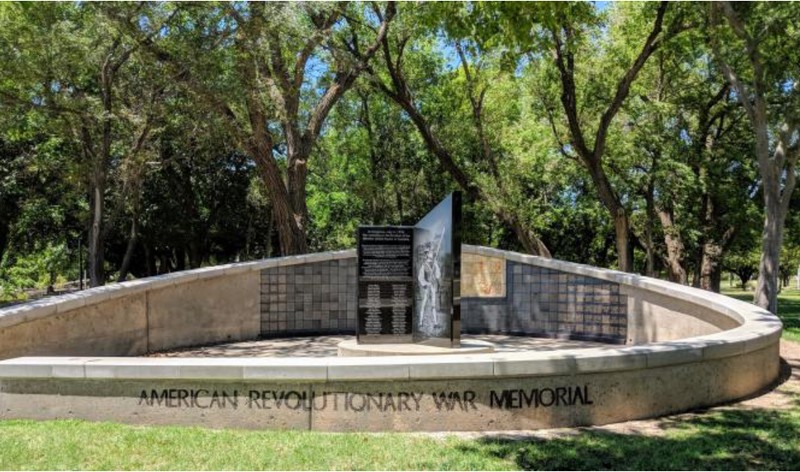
{"points": [[488, 183], [745, 44], [275, 71], [744, 265], [696, 178], [560, 35], [566, 37], [69, 62]]}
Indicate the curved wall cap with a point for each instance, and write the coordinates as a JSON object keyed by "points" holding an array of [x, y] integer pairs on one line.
{"points": [[757, 329]]}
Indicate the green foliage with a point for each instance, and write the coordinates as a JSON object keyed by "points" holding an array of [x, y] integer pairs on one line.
{"points": [[38, 269], [678, 146], [743, 264]]}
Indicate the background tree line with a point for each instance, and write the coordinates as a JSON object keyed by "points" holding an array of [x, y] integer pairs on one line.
{"points": [[656, 138]]}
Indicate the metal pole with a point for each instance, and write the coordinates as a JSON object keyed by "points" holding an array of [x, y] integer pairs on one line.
{"points": [[80, 263]]}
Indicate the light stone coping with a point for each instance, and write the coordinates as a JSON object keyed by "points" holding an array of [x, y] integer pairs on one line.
{"points": [[757, 329]]}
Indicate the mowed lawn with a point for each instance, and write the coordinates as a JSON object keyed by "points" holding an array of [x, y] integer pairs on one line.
{"points": [[742, 439], [788, 309]]}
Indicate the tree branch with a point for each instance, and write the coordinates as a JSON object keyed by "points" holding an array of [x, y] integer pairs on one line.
{"points": [[743, 94], [565, 63], [312, 43], [344, 81], [623, 86]]}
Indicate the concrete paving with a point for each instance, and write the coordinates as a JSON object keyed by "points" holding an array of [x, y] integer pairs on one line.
{"points": [[326, 346]]}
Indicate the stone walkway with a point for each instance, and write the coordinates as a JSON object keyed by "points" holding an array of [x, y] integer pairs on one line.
{"points": [[325, 346]]}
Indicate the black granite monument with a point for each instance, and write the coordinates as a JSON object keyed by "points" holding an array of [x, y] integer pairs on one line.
{"points": [[385, 283], [409, 279]]}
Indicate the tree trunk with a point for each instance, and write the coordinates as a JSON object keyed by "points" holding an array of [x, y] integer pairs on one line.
{"points": [[766, 295], [126, 260], [4, 228], [96, 256], [195, 254], [777, 172], [99, 175], [150, 259], [268, 239], [180, 258], [291, 232], [529, 241], [650, 269], [297, 176], [623, 241], [674, 245], [619, 215], [165, 264], [716, 278], [709, 266], [778, 175]]}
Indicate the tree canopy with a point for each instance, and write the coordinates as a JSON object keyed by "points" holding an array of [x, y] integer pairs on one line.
{"points": [[659, 138]]}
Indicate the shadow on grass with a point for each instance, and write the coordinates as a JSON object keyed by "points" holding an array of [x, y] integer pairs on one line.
{"points": [[741, 439], [725, 440]]}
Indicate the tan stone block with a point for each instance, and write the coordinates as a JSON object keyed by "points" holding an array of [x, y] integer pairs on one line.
{"points": [[606, 360], [296, 369], [208, 404], [463, 366], [368, 368], [562, 363], [727, 345], [764, 338], [111, 327], [205, 311], [133, 368]]}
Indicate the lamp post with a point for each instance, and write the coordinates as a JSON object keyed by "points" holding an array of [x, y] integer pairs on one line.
{"points": [[80, 263]]}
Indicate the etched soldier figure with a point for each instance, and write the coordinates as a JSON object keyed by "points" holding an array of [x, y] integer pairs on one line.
{"points": [[428, 277]]}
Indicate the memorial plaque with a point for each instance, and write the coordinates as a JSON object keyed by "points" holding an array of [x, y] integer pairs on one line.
{"points": [[409, 279], [385, 284]]}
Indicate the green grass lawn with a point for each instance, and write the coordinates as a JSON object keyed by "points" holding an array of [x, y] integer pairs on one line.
{"points": [[752, 439], [724, 439], [788, 309]]}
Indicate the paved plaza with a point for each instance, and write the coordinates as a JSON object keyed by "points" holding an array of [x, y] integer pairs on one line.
{"points": [[325, 346]]}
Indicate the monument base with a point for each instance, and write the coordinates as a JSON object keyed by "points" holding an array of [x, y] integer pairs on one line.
{"points": [[351, 348]]}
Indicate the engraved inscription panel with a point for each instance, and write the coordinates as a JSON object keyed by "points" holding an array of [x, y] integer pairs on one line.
{"points": [[385, 287]]}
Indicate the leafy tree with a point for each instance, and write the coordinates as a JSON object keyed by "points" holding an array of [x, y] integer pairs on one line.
{"points": [[744, 265], [69, 63], [756, 46], [696, 180], [274, 71], [460, 105]]}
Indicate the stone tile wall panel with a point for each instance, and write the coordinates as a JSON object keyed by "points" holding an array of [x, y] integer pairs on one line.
{"points": [[320, 298], [549, 303], [305, 299]]}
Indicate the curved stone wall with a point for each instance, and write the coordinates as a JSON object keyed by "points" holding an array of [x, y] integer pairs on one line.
{"points": [[689, 349]]}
